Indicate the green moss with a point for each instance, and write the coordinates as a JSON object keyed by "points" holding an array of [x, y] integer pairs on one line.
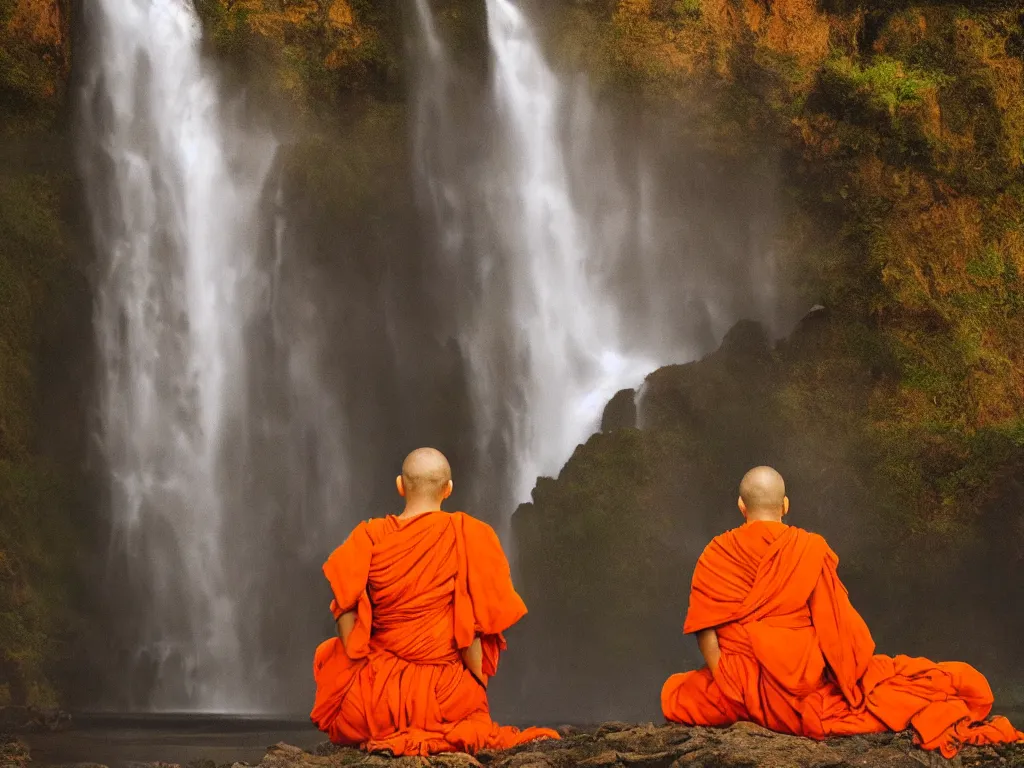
{"points": [[987, 266], [884, 84]]}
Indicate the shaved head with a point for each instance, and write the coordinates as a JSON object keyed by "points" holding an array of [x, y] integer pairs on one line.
{"points": [[426, 473], [763, 490]]}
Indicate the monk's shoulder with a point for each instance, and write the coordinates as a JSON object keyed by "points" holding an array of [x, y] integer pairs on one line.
{"points": [[371, 529], [810, 536], [720, 546], [464, 518], [817, 538], [723, 541], [477, 531], [814, 542]]}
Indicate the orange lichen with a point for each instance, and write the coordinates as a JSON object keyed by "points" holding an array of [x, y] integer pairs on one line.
{"points": [[39, 22], [340, 14]]}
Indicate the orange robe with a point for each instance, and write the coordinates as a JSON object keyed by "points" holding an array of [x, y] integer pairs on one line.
{"points": [[797, 658], [423, 589]]}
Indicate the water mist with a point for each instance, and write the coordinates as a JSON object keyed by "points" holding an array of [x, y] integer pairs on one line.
{"points": [[222, 444]]}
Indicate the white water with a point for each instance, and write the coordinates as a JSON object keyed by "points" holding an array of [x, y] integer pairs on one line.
{"points": [[567, 326], [538, 323], [436, 156], [540, 330], [175, 195]]}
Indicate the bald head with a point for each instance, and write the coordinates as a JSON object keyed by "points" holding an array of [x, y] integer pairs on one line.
{"points": [[426, 474], [763, 493]]}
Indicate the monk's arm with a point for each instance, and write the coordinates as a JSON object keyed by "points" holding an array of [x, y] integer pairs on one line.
{"points": [[473, 656], [346, 623], [707, 641]]}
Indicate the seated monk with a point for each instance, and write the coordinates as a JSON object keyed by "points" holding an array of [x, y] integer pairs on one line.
{"points": [[420, 600], [785, 648]]}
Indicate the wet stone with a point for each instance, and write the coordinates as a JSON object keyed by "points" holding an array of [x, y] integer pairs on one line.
{"points": [[614, 727], [455, 760], [527, 760]]}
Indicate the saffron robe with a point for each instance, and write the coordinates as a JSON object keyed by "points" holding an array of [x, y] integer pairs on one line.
{"points": [[423, 589], [797, 658]]}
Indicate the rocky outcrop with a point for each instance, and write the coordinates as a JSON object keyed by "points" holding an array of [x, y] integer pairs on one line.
{"points": [[620, 413], [13, 753], [605, 551], [623, 745]]}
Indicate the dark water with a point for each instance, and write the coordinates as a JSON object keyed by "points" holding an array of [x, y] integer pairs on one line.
{"points": [[119, 741]]}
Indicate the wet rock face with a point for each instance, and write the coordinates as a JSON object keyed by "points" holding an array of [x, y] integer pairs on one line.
{"points": [[620, 413], [626, 745]]}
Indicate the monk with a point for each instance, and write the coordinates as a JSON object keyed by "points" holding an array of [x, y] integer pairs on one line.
{"points": [[784, 647], [421, 600]]}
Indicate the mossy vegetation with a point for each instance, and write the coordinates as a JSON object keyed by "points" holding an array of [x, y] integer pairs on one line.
{"points": [[312, 54], [37, 272], [900, 126]]}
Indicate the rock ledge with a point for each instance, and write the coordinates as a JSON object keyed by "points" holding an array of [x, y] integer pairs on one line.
{"points": [[623, 745], [627, 745]]}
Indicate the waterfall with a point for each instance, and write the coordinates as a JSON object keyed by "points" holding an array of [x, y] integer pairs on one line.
{"points": [[540, 325], [175, 193], [565, 323], [582, 252], [226, 332]]}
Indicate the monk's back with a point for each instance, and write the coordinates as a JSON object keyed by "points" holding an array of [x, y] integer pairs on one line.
{"points": [[747, 545], [411, 586], [421, 602], [759, 570]]}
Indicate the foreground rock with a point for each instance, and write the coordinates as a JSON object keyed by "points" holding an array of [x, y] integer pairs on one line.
{"points": [[13, 753], [649, 746]]}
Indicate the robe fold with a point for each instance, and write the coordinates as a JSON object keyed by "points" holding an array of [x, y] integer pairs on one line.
{"points": [[423, 589], [796, 657]]}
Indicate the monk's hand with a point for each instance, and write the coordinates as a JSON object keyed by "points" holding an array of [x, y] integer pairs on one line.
{"points": [[473, 658]]}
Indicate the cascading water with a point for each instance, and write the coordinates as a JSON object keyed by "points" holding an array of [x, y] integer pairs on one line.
{"points": [[539, 327], [566, 328], [223, 408], [174, 196], [579, 263]]}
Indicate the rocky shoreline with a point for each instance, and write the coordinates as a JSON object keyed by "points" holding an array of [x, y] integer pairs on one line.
{"points": [[624, 745]]}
